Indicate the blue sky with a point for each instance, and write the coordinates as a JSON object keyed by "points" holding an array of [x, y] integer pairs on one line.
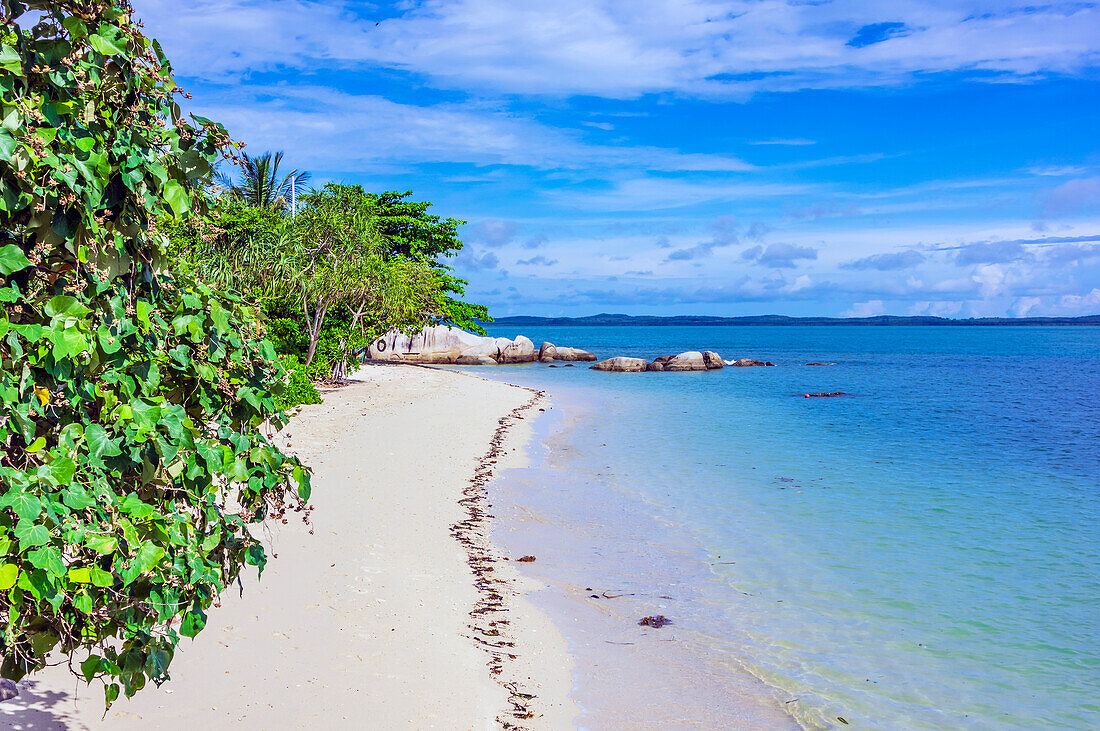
{"points": [[795, 157]]}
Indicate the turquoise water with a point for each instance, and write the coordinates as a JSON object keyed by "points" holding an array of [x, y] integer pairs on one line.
{"points": [[923, 553]]}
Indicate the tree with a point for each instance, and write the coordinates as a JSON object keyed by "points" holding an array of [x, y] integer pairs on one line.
{"points": [[133, 400], [261, 186], [410, 232]]}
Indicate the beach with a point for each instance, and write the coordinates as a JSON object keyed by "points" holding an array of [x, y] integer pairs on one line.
{"points": [[364, 618]]}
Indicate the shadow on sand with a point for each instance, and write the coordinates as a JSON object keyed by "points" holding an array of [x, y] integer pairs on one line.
{"points": [[39, 709]]}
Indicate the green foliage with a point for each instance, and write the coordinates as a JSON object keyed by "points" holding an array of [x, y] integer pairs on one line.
{"points": [[261, 187], [299, 389], [132, 402], [287, 336]]}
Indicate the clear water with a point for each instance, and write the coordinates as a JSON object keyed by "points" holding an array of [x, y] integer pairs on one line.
{"points": [[924, 553]]}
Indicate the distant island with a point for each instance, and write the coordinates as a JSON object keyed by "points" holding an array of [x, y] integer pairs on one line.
{"points": [[618, 319]]}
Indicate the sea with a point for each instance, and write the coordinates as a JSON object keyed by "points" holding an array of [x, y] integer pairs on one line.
{"points": [[922, 552]]}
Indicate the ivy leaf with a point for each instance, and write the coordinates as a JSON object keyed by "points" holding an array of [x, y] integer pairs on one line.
{"points": [[26, 506], [10, 60], [30, 534], [101, 544], [148, 556], [135, 507], [99, 444], [177, 197], [91, 667], [108, 40], [193, 622], [9, 572], [77, 498], [80, 576], [101, 578], [12, 259]]}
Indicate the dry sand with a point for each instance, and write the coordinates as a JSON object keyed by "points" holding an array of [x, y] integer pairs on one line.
{"points": [[367, 623]]}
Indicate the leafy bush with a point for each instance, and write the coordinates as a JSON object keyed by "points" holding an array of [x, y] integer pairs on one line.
{"points": [[299, 389], [132, 403], [287, 336]]}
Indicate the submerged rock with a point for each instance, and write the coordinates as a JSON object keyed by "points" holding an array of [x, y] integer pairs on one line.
{"points": [[830, 394], [746, 363], [621, 364]]}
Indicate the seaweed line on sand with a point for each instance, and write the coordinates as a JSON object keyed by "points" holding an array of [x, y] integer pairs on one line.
{"points": [[487, 622]]}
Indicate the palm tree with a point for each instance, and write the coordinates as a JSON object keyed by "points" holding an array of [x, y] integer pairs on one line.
{"points": [[261, 185]]}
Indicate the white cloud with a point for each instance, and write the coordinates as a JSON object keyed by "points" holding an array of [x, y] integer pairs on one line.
{"points": [[865, 309], [618, 49]]}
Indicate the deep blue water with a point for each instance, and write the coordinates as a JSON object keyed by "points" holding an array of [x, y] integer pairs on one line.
{"points": [[924, 553]]}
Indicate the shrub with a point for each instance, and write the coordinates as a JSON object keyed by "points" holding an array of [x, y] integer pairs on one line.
{"points": [[299, 389], [132, 403]]}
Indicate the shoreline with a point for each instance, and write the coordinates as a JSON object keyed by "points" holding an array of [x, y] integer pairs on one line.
{"points": [[398, 609]]}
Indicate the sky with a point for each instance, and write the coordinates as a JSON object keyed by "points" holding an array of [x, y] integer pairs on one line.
{"points": [[799, 157]]}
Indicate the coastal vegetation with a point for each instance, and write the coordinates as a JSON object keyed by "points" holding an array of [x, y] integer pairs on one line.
{"points": [[156, 325]]}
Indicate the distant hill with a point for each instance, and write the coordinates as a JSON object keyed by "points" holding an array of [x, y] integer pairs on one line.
{"points": [[614, 319]]}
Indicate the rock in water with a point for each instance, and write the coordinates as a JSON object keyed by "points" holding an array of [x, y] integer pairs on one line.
{"points": [[663, 359], [475, 360], [747, 362], [547, 352], [521, 350], [689, 361], [573, 354], [713, 360], [655, 366], [621, 364]]}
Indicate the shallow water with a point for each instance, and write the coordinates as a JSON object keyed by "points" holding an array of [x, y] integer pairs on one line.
{"points": [[920, 554]]}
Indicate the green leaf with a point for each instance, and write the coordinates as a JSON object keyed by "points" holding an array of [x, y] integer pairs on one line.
{"points": [[108, 40], [193, 622], [10, 60], [9, 572], [31, 535], [99, 444], [77, 498], [148, 556], [101, 578], [80, 576], [177, 197], [146, 415], [12, 259], [36, 445], [49, 560], [26, 506], [64, 305], [101, 544], [62, 470], [91, 667], [135, 507]]}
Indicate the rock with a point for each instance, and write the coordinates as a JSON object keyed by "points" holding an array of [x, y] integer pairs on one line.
{"points": [[712, 360], [769, 363], [746, 363], [547, 350], [621, 364], [692, 360], [521, 350], [655, 366], [8, 689], [439, 344], [475, 360], [664, 359], [573, 354], [820, 364], [831, 394]]}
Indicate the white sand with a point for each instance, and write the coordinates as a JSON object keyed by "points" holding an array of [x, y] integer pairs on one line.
{"points": [[366, 623]]}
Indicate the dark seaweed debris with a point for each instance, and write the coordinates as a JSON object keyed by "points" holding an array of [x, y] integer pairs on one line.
{"points": [[656, 621]]}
